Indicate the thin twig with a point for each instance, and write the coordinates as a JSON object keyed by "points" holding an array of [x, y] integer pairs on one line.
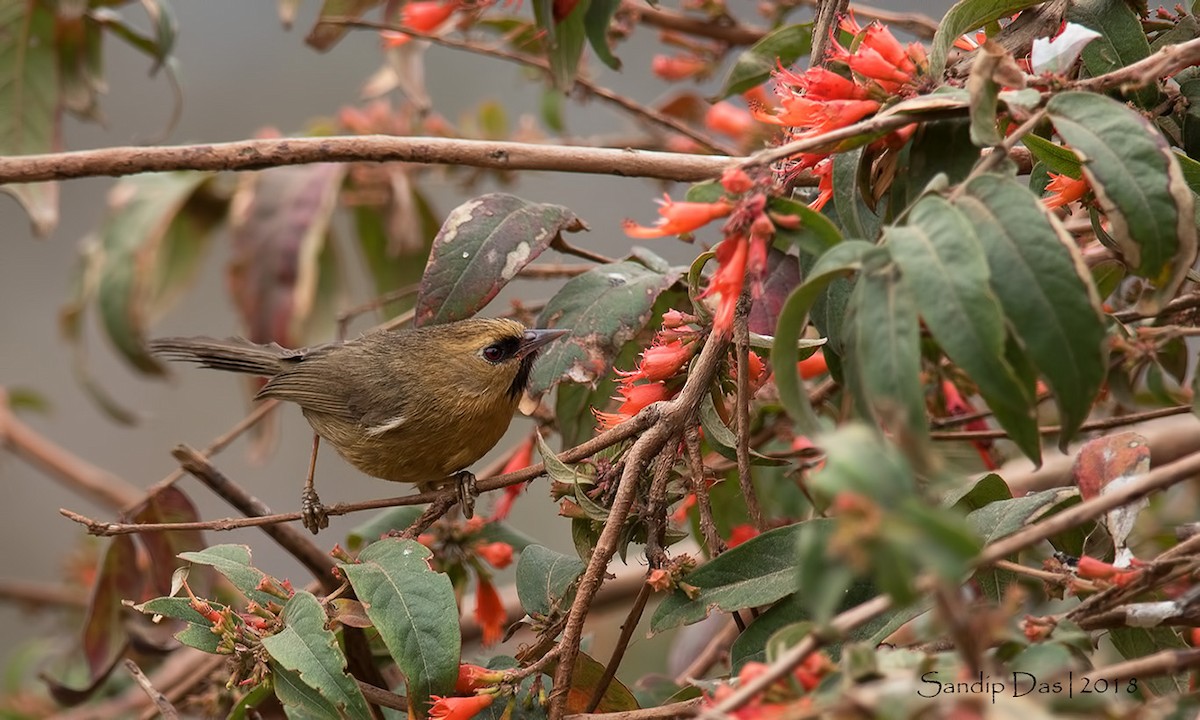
{"points": [[1103, 424], [1167, 662], [1185, 302], [708, 524], [165, 708], [675, 415], [1162, 64], [713, 652], [61, 464], [631, 622], [635, 108], [381, 697], [622, 432], [726, 29], [741, 330], [40, 596], [827, 14], [683, 709]]}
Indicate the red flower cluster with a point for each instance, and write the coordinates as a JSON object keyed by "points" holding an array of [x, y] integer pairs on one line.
{"points": [[853, 87], [660, 362]]}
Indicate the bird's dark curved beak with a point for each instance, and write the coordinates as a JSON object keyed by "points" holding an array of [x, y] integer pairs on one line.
{"points": [[532, 340]]}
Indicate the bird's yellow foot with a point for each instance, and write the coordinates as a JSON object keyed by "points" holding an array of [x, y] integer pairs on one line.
{"points": [[312, 512]]}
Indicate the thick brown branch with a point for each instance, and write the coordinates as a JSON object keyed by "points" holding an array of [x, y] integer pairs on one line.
{"points": [[264, 153]]}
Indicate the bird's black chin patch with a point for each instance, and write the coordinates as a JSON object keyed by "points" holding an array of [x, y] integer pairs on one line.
{"points": [[522, 379]]}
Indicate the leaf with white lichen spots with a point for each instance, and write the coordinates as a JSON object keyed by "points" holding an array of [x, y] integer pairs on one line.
{"points": [[603, 308], [482, 245]]}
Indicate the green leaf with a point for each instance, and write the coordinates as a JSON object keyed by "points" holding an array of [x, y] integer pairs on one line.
{"points": [[414, 610], [373, 530], [30, 112], [1138, 184], [838, 262], [325, 35], [565, 38], [179, 608], [1042, 284], [1056, 158], [584, 682], [482, 245], [858, 220], [816, 232], [724, 440], [782, 46], [233, 561], [299, 700], [280, 251], [558, 470], [986, 490], [599, 16], [604, 308], [544, 578], [1190, 89], [965, 16], [757, 572], [150, 245], [941, 260], [1122, 41], [306, 647], [883, 349], [1002, 518], [1138, 642], [942, 148]]}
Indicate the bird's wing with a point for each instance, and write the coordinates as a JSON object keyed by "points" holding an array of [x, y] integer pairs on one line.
{"points": [[315, 382]]}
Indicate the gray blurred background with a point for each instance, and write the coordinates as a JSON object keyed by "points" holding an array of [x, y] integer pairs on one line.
{"points": [[242, 71]]}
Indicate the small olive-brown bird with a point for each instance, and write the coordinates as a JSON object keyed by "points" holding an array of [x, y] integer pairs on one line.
{"points": [[412, 406]]}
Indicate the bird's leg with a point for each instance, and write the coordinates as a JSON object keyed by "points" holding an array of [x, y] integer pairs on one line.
{"points": [[468, 490], [312, 512]]}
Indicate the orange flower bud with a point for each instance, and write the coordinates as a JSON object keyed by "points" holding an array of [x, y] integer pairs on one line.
{"points": [[423, 16], [677, 67], [497, 554], [735, 180], [459, 708], [659, 362], [730, 120], [474, 677], [659, 579], [740, 534], [489, 612], [813, 365]]}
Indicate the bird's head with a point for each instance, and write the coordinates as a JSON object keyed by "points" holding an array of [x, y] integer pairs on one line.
{"points": [[490, 356]]}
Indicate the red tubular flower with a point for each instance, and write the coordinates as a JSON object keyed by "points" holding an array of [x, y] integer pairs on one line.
{"points": [[1064, 190], [562, 9], [729, 119], [497, 554], [813, 117], [820, 83], [677, 67], [489, 612], [680, 514], [823, 171], [881, 40], [521, 458], [868, 62], [423, 16], [812, 366], [727, 281], [679, 218], [659, 362], [459, 708], [635, 398], [474, 677], [740, 534]]}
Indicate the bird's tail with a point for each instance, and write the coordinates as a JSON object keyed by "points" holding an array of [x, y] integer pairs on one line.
{"points": [[233, 354]]}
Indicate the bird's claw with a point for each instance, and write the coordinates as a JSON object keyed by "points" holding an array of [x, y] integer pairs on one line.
{"points": [[312, 512], [468, 490]]}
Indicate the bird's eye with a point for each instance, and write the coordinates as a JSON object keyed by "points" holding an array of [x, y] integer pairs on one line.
{"points": [[493, 353]]}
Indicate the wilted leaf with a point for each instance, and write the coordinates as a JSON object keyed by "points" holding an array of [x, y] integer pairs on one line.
{"points": [[782, 46], [1038, 276], [170, 505], [544, 578], [151, 242], [985, 92], [308, 649], [414, 610], [279, 221], [1138, 184], [1109, 464], [30, 113], [604, 308], [482, 245], [104, 633], [783, 275]]}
